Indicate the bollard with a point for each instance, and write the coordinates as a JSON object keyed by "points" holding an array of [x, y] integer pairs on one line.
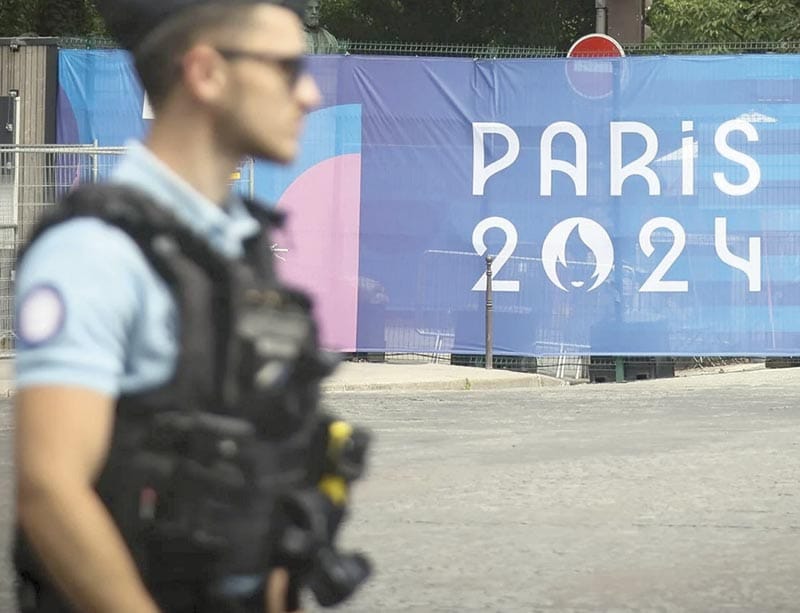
{"points": [[619, 369], [489, 316]]}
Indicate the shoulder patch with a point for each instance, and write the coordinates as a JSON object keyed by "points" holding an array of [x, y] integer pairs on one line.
{"points": [[41, 315]]}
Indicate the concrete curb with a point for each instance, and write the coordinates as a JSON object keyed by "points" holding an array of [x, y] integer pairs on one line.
{"points": [[521, 381], [513, 381], [367, 377]]}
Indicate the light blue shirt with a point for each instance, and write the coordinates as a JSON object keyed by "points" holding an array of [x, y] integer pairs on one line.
{"points": [[91, 310]]}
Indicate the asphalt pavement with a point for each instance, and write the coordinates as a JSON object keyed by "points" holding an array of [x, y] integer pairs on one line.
{"points": [[668, 495]]}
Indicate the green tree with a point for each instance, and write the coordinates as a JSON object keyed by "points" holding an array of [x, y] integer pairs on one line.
{"points": [[539, 23], [16, 17], [724, 21], [67, 18], [49, 18]]}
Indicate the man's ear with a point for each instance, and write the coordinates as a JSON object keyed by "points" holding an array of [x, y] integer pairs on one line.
{"points": [[205, 75]]}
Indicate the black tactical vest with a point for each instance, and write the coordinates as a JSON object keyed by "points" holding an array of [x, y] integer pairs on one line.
{"points": [[196, 466]]}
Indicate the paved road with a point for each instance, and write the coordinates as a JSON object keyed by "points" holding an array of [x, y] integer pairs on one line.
{"points": [[670, 495]]}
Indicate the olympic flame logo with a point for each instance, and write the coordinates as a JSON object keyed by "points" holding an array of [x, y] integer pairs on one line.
{"points": [[596, 239]]}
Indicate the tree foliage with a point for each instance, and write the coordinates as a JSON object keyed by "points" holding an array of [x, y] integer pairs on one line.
{"points": [[49, 18], [536, 23], [724, 21], [16, 17]]}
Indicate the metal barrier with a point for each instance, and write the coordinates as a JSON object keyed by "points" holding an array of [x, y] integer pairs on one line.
{"points": [[430, 329], [34, 178], [428, 49], [500, 52]]}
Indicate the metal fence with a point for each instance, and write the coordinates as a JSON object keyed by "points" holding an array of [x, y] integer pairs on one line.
{"points": [[499, 52], [32, 180], [430, 331], [651, 47]]}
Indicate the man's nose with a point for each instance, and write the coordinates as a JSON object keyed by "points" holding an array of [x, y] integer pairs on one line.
{"points": [[307, 93]]}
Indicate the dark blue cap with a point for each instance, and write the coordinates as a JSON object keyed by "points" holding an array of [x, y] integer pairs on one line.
{"points": [[130, 21]]}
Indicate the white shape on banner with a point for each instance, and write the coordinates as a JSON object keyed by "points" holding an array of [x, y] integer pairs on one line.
{"points": [[756, 117], [480, 172], [639, 167], [478, 242], [750, 267], [655, 282], [578, 172], [728, 152], [596, 239]]}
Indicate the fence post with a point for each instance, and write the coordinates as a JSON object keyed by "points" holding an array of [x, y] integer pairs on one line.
{"points": [[95, 162], [15, 200], [489, 314], [251, 180]]}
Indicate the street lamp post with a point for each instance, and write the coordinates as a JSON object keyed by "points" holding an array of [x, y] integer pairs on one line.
{"points": [[601, 6]]}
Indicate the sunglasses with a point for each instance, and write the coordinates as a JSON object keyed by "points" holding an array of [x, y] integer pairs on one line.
{"points": [[293, 67]]}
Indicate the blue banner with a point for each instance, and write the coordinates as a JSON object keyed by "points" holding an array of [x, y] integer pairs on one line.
{"points": [[636, 206]]}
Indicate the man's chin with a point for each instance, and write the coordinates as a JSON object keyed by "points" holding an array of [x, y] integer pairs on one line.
{"points": [[282, 156]]}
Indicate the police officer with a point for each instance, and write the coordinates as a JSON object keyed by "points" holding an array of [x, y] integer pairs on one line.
{"points": [[96, 321]]}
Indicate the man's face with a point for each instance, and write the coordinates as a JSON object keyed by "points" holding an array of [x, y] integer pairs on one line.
{"points": [[312, 14], [267, 97]]}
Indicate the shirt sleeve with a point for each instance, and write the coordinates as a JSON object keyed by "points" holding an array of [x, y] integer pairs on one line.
{"points": [[78, 296]]}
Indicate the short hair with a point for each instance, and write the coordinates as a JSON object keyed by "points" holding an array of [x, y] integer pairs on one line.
{"points": [[157, 58]]}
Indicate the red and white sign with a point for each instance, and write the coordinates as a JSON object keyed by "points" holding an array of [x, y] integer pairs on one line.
{"points": [[589, 72]]}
